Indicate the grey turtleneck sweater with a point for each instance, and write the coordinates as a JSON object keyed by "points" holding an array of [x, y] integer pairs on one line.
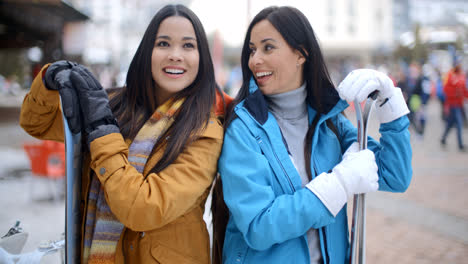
{"points": [[290, 111]]}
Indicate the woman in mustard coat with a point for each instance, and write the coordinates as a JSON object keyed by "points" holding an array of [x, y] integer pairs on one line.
{"points": [[152, 150]]}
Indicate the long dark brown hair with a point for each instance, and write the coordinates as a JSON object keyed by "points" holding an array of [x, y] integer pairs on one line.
{"points": [[321, 94], [136, 101]]}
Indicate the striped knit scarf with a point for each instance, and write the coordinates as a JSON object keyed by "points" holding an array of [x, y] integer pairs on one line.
{"points": [[102, 230]]}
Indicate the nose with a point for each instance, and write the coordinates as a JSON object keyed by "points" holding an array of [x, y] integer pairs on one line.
{"points": [[175, 55], [256, 58]]}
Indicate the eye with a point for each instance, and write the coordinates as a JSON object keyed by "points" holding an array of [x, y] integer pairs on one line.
{"points": [[162, 43], [189, 46], [252, 51], [268, 47]]}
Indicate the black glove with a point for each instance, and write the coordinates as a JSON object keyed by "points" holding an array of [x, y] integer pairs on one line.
{"points": [[57, 77], [98, 119]]}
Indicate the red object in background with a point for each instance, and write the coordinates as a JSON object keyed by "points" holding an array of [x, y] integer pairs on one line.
{"points": [[47, 158], [219, 106], [36, 69]]}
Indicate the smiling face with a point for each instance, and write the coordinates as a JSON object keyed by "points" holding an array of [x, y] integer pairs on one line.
{"points": [[175, 58], [275, 65]]}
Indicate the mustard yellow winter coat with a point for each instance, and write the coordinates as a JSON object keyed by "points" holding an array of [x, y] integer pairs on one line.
{"points": [[162, 214]]}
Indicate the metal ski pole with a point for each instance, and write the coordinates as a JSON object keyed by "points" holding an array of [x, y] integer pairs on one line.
{"points": [[358, 228], [73, 194]]}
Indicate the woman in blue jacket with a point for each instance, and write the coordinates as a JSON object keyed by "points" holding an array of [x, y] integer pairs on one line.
{"points": [[288, 164]]}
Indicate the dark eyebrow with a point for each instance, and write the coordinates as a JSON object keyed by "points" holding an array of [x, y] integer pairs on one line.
{"points": [[267, 39], [163, 37], [263, 41], [169, 38]]}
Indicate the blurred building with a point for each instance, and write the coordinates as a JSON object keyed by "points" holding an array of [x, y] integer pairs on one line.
{"points": [[437, 12], [401, 18], [105, 34], [31, 33], [443, 30], [365, 33], [28, 23], [353, 29]]}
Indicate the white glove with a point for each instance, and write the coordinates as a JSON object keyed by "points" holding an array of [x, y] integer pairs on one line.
{"points": [[358, 84], [355, 174]]}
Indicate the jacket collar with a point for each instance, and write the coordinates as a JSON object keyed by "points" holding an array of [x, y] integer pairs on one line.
{"points": [[257, 106]]}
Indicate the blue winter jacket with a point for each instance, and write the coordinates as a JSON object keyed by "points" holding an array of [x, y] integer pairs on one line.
{"points": [[269, 210]]}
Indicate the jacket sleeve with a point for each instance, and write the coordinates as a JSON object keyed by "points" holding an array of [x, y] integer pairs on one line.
{"points": [[146, 204], [41, 114], [451, 85], [263, 217], [465, 88], [393, 153]]}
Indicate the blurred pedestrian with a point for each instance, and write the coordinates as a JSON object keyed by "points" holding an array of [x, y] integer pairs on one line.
{"points": [[402, 83], [418, 96], [455, 92], [439, 87], [152, 150], [289, 161]]}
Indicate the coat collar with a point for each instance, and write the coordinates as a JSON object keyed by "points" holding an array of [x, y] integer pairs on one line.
{"points": [[257, 106]]}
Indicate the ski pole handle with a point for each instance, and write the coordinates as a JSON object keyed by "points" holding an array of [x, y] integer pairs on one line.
{"points": [[358, 228], [73, 191]]}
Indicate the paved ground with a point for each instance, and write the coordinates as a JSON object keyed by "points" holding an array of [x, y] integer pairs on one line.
{"points": [[427, 224]]}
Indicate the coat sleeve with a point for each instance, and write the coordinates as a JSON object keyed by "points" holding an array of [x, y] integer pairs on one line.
{"points": [[146, 204], [263, 218], [41, 114], [393, 153]]}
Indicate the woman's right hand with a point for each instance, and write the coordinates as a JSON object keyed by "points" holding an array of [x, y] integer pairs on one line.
{"points": [[98, 119], [57, 74], [357, 171], [57, 77], [355, 174]]}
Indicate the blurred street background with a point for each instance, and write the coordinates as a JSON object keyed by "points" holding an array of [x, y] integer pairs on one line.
{"points": [[416, 42]]}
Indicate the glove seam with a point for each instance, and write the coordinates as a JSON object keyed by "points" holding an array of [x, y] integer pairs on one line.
{"points": [[101, 131], [329, 186]]}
